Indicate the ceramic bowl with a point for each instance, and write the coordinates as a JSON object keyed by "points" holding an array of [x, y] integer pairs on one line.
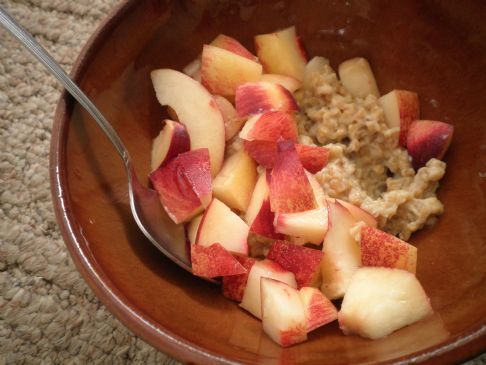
{"points": [[437, 49]]}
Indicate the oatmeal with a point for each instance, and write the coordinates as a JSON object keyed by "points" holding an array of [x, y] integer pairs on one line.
{"points": [[366, 167]]}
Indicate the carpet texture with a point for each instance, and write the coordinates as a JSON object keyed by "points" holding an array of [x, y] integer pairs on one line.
{"points": [[48, 315]]}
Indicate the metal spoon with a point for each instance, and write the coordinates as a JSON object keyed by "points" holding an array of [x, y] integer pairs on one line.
{"points": [[147, 211]]}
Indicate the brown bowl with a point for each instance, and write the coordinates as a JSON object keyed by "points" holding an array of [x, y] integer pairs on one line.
{"points": [[437, 49]]}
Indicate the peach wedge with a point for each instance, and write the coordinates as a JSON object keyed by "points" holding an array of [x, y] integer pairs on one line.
{"points": [[235, 182], [379, 248], [259, 97], [213, 261], [220, 225], [183, 184], [201, 117], [428, 139], [304, 262], [357, 77], [290, 190], [400, 108], [282, 53], [381, 300], [283, 315], [319, 310], [223, 71], [172, 140], [251, 300]]}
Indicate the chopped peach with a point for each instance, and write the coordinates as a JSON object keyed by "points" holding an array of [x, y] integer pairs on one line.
{"points": [[282, 53], [260, 97], [223, 71], [302, 261], [213, 261]]}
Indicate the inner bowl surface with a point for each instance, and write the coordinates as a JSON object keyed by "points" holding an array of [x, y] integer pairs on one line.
{"points": [[435, 49]]}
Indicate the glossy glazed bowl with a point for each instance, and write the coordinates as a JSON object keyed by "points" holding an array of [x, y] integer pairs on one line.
{"points": [[434, 49]]}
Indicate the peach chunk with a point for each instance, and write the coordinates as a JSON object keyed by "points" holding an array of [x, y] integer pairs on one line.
{"points": [[201, 117], [270, 126], [283, 315], [342, 255], [400, 108], [220, 224], [428, 139], [310, 225], [381, 300], [223, 71], [379, 248], [357, 77], [172, 140], [287, 82], [266, 268], [213, 261], [183, 184], [258, 214], [290, 190], [232, 45], [282, 53], [302, 261], [234, 285], [319, 310], [259, 97], [359, 214], [235, 182]]}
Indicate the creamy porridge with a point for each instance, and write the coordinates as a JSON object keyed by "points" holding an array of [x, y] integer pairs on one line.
{"points": [[366, 166]]}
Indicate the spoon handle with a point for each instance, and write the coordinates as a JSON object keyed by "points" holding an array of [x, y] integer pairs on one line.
{"points": [[28, 41]]}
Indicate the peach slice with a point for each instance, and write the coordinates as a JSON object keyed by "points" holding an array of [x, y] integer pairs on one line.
{"points": [[192, 228], [400, 108], [183, 184], [379, 248], [235, 182], [287, 82], [381, 300], [342, 255], [234, 286], [357, 77], [428, 139], [232, 45], [310, 225], [219, 224], [282, 53], [260, 97], [302, 261], [313, 158], [200, 116], [270, 126], [318, 310], [223, 71], [251, 300], [213, 261], [172, 140], [290, 190], [317, 190], [359, 213], [313, 69], [263, 152], [193, 69], [232, 122], [258, 214], [283, 315]]}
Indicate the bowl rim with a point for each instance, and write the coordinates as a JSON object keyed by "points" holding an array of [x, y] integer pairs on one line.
{"points": [[133, 317]]}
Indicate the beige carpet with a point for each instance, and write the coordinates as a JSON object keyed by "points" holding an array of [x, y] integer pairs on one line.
{"points": [[48, 315]]}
